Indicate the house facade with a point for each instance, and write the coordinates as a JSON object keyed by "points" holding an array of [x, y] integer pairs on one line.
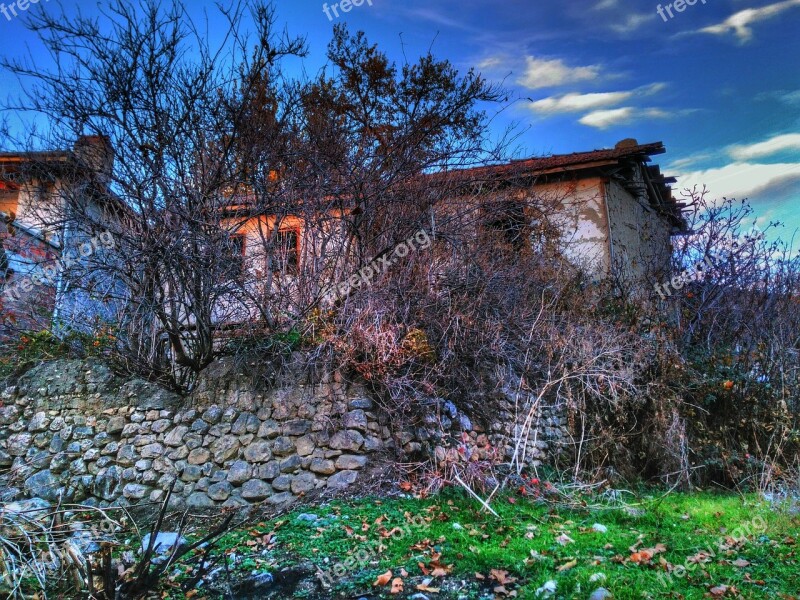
{"points": [[613, 211], [39, 243]]}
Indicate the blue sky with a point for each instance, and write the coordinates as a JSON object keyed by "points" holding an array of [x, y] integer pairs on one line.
{"points": [[718, 82]]}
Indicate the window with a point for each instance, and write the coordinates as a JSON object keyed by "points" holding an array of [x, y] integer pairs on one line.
{"points": [[237, 248], [285, 255], [8, 199], [505, 223]]}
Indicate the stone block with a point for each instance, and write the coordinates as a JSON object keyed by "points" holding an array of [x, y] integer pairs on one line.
{"points": [[219, 491], [342, 479], [175, 437], [258, 452], [198, 456], [347, 440], [304, 482], [351, 462], [304, 445], [255, 489], [269, 429], [322, 466], [239, 472], [290, 463]]}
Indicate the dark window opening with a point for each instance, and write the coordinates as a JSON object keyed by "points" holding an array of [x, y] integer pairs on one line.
{"points": [[505, 223], [285, 255], [237, 247]]}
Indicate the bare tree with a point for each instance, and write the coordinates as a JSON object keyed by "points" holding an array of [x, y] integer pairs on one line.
{"points": [[204, 144], [171, 110]]}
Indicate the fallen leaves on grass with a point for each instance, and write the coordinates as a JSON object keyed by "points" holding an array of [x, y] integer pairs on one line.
{"points": [[383, 579], [567, 566], [749, 579], [501, 576], [259, 539], [390, 532], [564, 539], [435, 568], [645, 555], [699, 558], [741, 563], [719, 591], [424, 587]]}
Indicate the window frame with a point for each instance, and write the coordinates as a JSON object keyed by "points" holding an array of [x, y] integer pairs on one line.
{"points": [[238, 241], [285, 266]]}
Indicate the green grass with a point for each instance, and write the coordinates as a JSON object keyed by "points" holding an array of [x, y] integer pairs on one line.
{"points": [[523, 542]]}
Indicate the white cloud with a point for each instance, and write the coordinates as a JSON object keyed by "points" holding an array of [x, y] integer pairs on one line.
{"points": [[626, 21], [578, 102], [603, 119], [574, 102], [785, 96], [605, 4], [681, 163], [791, 97], [740, 23], [491, 62], [742, 179], [779, 143], [554, 72], [632, 22], [440, 18]]}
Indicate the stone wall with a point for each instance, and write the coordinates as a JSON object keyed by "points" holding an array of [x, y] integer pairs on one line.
{"points": [[73, 429]]}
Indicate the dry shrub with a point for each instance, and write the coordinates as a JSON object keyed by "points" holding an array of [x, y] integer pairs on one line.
{"points": [[492, 327], [44, 548]]}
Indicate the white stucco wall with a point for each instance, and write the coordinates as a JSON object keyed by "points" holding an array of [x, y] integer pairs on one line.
{"points": [[641, 237], [581, 218]]}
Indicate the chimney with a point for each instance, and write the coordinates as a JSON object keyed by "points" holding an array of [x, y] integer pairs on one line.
{"points": [[95, 153], [626, 143]]}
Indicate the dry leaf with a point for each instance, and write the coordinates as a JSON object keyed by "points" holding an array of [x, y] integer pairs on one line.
{"points": [[383, 578], [567, 566], [397, 586], [391, 532], [700, 557], [501, 577], [741, 563], [719, 590], [564, 539]]}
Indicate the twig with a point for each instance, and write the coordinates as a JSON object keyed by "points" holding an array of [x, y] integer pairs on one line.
{"points": [[474, 495]]}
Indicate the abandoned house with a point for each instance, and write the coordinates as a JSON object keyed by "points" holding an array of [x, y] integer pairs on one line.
{"points": [[38, 242], [613, 210]]}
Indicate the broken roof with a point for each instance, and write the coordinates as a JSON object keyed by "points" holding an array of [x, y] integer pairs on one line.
{"points": [[605, 162]]}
